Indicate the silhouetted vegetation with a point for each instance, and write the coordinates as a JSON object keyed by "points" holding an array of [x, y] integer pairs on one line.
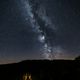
{"points": [[77, 58], [41, 70]]}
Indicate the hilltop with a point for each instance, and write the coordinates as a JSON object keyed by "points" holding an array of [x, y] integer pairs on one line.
{"points": [[41, 70]]}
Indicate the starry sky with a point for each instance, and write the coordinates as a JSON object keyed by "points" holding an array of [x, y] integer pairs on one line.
{"points": [[38, 29]]}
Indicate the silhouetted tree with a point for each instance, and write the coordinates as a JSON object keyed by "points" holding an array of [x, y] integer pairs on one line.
{"points": [[77, 58]]}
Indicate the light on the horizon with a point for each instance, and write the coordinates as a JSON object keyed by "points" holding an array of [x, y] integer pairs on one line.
{"points": [[27, 77]]}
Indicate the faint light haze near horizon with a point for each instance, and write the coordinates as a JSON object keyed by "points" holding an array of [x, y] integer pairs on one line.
{"points": [[39, 29]]}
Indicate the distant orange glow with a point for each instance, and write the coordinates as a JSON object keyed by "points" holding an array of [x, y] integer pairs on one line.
{"points": [[27, 77]]}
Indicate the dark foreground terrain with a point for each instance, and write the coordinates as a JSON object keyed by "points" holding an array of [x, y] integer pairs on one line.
{"points": [[42, 70]]}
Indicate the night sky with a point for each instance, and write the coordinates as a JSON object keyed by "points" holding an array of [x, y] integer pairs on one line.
{"points": [[39, 29]]}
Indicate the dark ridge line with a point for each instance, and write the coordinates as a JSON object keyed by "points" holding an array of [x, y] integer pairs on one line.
{"points": [[42, 60]]}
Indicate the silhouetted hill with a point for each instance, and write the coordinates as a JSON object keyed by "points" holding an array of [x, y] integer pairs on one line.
{"points": [[42, 70], [77, 58]]}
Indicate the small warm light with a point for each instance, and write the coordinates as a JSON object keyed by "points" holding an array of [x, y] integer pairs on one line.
{"points": [[27, 77]]}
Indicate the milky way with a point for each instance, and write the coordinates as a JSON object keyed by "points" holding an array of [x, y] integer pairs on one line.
{"points": [[37, 15], [39, 29]]}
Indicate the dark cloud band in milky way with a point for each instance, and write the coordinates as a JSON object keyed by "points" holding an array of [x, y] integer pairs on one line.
{"points": [[18, 39]]}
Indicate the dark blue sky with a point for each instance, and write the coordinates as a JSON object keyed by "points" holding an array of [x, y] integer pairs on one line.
{"points": [[18, 41]]}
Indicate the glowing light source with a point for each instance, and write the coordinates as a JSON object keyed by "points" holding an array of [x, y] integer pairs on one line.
{"points": [[27, 77]]}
